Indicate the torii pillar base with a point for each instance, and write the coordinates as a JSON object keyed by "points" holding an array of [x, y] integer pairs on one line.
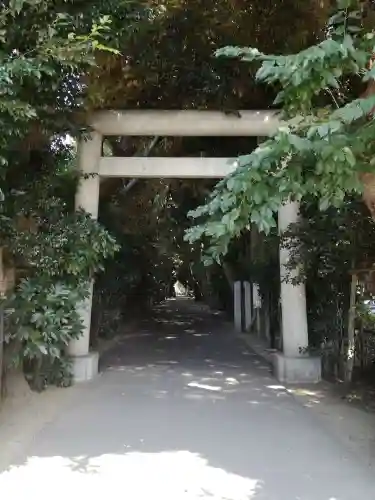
{"points": [[298, 370], [85, 368]]}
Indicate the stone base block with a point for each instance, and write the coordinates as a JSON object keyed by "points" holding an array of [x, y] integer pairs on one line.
{"points": [[85, 368], [301, 370]]}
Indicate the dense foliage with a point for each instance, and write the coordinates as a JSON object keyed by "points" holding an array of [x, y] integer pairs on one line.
{"points": [[324, 147], [184, 74], [57, 252], [44, 49]]}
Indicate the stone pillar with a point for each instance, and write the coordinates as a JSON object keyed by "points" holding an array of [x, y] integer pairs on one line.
{"points": [[248, 305], [267, 319], [85, 363], [293, 297], [257, 301], [294, 364], [237, 293]]}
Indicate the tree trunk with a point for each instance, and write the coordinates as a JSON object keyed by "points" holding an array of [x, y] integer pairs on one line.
{"points": [[368, 181], [229, 273]]}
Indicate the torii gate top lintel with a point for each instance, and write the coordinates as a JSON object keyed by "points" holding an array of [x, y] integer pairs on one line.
{"points": [[196, 123]]}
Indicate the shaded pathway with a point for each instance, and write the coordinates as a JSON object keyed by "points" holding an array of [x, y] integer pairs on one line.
{"points": [[184, 411]]}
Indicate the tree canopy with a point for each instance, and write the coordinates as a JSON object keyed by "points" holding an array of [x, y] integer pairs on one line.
{"points": [[167, 59], [324, 147]]}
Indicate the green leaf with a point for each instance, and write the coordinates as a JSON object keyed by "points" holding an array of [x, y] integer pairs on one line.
{"points": [[43, 349], [349, 156], [345, 4], [16, 5], [324, 204]]}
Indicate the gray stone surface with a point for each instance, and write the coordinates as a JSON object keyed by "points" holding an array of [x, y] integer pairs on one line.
{"points": [[248, 306], [184, 411], [302, 370], [237, 306], [85, 368]]}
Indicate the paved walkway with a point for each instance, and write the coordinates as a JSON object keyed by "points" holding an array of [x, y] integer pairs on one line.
{"points": [[184, 411]]}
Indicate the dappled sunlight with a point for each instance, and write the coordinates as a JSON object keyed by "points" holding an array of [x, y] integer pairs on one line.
{"points": [[167, 475], [303, 392], [137, 335], [205, 386], [231, 381], [173, 384], [167, 362], [213, 397], [277, 387], [173, 321], [307, 396]]}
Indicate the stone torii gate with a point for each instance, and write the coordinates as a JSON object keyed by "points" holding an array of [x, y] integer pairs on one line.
{"points": [[292, 365]]}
